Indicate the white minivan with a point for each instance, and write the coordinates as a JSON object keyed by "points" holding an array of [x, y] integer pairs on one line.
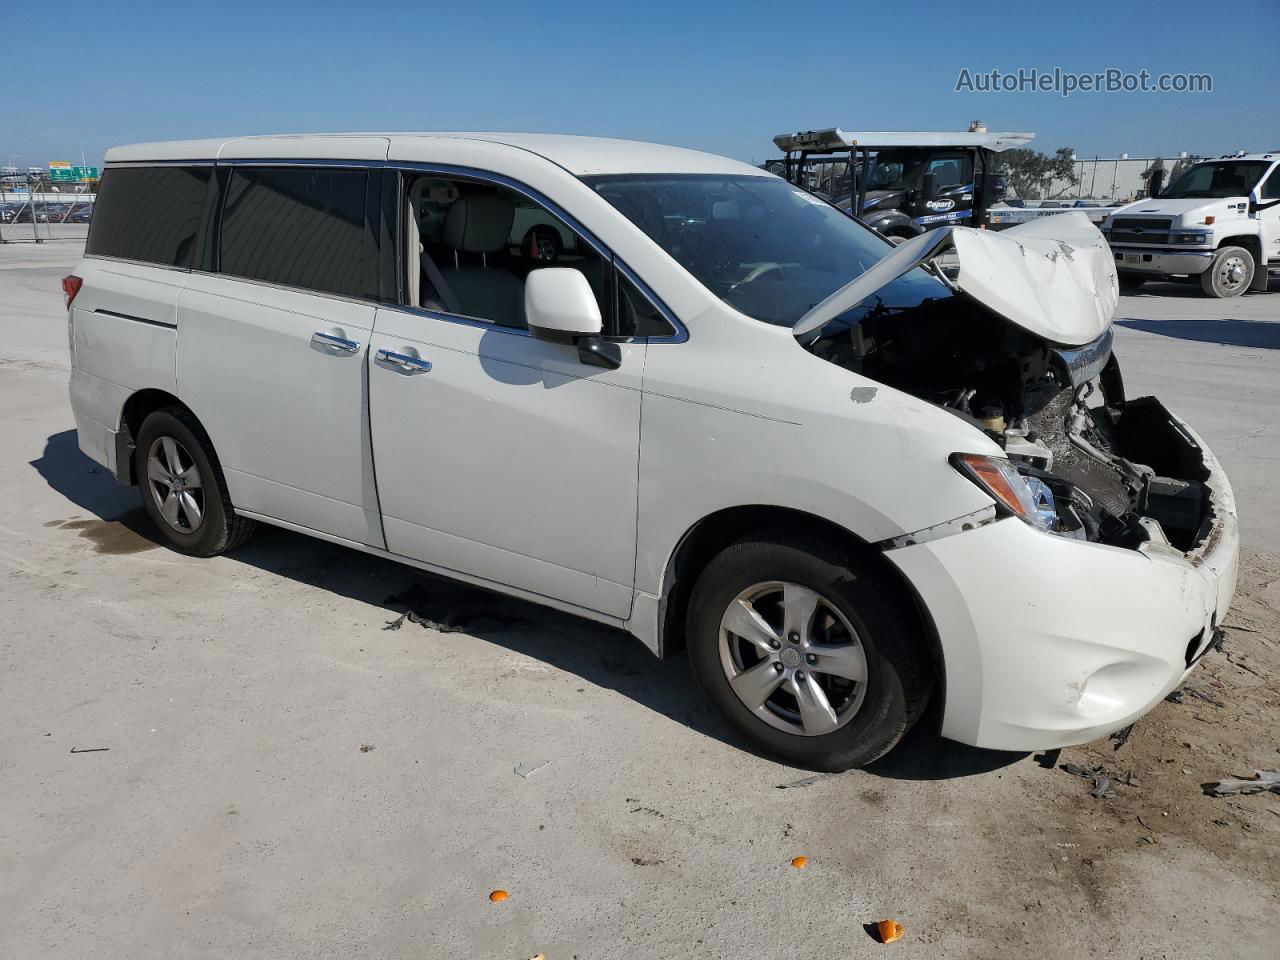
{"points": [[726, 417]]}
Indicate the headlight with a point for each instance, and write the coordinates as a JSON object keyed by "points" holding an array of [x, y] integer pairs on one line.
{"points": [[1027, 498], [1198, 236]]}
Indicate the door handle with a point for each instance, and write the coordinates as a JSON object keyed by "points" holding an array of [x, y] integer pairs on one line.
{"points": [[333, 340], [403, 360]]}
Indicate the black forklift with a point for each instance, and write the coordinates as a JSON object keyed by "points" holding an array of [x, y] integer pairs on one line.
{"points": [[901, 183]]}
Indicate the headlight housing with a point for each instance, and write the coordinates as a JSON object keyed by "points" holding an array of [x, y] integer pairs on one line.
{"points": [[1027, 498], [1191, 237]]}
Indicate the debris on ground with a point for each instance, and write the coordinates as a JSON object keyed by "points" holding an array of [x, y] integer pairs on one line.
{"points": [[497, 896], [1101, 778], [89, 749], [412, 617], [366, 747], [889, 931], [643, 862], [1262, 782], [448, 608], [525, 770], [1193, 689], [800, 862], [1121, 737], [806, 781]]}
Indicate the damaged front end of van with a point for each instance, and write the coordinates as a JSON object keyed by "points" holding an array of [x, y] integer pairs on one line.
{"points": [[1106, 562]]}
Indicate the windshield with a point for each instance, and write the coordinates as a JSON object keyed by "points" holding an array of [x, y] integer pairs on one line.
{"points": [[1217, 180], [763, 246]]}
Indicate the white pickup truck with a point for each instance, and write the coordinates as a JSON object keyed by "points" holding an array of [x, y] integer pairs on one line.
{"points": [[1219, 220]]}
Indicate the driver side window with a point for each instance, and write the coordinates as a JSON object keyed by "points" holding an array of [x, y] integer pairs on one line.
{"points": [[478, 242], [951, 171]]}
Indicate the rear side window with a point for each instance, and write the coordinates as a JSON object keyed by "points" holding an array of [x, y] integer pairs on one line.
{"points": [[149, 213], [297, 227]]}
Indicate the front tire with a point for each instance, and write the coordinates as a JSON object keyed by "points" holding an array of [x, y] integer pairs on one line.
{"points": [[803, 649], [1230, 273], [183, 489]]}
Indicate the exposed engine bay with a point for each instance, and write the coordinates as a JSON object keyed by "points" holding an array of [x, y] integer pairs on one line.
{"points": [[1101, 467]]}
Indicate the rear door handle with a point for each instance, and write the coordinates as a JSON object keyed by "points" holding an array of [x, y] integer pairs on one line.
{"points": [[333, 340], [403, 360]]}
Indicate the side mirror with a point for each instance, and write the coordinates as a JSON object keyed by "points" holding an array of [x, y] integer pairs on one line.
{"points": [[994, 187], [929, 186], [560, 307]]}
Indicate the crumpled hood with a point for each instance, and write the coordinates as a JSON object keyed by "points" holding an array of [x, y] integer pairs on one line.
{"points": [[1054, 277]]}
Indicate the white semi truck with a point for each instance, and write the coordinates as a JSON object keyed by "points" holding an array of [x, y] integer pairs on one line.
{"points": [[1219, 220]]}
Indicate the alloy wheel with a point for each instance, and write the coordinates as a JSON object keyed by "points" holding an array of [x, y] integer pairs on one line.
{"points": [[792, 658], [175, 484]]}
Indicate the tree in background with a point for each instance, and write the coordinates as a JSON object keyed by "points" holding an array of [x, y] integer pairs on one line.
{"points": [[1039, 176]]}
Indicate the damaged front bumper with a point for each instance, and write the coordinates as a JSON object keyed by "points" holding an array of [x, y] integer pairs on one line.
{"points": [[1050, 641]]}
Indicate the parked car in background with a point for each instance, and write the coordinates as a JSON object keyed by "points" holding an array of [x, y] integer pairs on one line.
{"points": [[729, 419]]}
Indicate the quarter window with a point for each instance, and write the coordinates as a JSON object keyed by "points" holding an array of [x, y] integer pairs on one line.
{"points": [[637, 317], [150, 214], [297, 227]]}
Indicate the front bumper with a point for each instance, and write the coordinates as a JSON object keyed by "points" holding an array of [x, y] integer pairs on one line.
{"points": [[1160, 261], [1049, 641]]}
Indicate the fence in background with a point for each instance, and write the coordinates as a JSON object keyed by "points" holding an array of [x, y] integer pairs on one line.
{"points": [[1116, 178], [39, 211]]}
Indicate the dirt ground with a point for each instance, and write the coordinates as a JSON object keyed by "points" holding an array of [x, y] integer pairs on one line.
{"points": [[1182, 747]]}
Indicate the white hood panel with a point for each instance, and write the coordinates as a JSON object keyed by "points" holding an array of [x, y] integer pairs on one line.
{"points": [[1055, 277]]}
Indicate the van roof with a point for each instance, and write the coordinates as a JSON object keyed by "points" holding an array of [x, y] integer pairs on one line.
{"points": [[581, 156]]}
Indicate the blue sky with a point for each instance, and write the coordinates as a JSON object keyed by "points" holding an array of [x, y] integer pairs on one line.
{"points": [[723, 77]]}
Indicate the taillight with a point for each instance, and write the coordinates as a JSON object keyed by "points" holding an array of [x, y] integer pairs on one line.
{"points": [[70, 287]]}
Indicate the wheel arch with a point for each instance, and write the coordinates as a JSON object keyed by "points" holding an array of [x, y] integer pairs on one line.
{"points": [[140, 405], [1248, 241], [717, 530]]}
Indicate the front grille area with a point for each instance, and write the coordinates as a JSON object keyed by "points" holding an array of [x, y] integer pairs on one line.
{"points": [[1141, 229]]}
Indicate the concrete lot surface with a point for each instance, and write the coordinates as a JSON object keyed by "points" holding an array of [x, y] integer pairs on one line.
{"points": [[283, 777]]}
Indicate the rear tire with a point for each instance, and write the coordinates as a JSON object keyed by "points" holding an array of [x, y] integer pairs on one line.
{"points": [[855, 628], [1230, 273], [182, 485]]}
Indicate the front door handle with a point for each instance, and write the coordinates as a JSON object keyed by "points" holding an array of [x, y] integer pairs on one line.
{"points": [[341, 344], [403, 360]]}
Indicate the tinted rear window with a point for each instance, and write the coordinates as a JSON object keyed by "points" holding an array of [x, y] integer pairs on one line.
{"points": [[296, 226], [149, 213]]}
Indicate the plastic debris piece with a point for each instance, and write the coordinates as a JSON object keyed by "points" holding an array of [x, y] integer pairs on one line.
{"points": [[1102, 779], [1263, 781], [1101, 787], [366, 747], [526, 770], [498, 896], [1121, 737], [1193, 689], [889, 930], [806, 781], [800, 862]]}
